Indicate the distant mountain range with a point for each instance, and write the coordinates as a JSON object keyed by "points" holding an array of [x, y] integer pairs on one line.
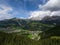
{"points": [[26, 24]]}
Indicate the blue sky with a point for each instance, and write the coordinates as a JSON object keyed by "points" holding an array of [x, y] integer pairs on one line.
{"points": [[36, 9], [19, 8]]}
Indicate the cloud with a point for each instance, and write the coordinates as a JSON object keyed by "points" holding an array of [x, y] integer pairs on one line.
{"points": [[51, 8], [5, 9], [52, 5], [4, 12], [55, 13], [38, 15], [7, 12]]}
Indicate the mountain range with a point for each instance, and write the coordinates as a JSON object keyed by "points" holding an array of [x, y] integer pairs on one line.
{"points": [[28, 24], [35, 32]]}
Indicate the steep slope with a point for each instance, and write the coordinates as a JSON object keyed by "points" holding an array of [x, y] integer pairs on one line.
{"points": [[14, 39], [51, 32]]}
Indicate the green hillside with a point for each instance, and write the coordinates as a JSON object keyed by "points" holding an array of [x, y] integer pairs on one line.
{"points": [[15, 39], [27, 32], [25, 24], [51, 32]]}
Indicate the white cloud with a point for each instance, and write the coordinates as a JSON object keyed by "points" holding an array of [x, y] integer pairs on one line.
{"points": [[38, 15], [55, 13], [52, 7], [4, 12]]}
